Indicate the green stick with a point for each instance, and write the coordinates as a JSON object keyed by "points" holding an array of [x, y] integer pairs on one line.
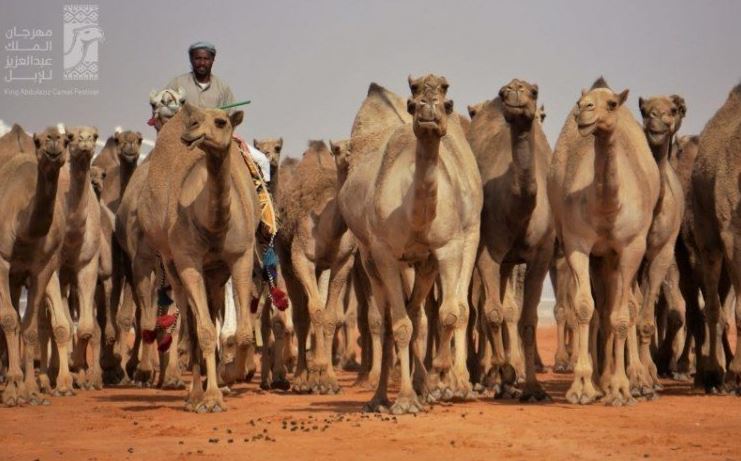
{"points": [[235, 104]]}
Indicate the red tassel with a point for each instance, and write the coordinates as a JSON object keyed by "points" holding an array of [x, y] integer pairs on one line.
{"points": [[279, 298], [149, 336], [166, 321], [164, 343], [151, 121], [253, 305]]}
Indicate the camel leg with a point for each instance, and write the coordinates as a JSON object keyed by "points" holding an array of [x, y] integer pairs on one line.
{"points": [[348, 361], [582, 389], [106, 320], [657, 271], [45, 336], [559, 280], [674, 339], [125, 313], [305, 271], [534, 278], [14, 392], [512, 315], [86, 281], [711, 370], [143, 283], [191, 276], [241, 271], [423, 281], [733, 259], [641, 381], [501, 375], [61, 326], [282, 330]]}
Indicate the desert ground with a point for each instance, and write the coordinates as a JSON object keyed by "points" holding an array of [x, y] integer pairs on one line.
{"points": [[131, 423]]}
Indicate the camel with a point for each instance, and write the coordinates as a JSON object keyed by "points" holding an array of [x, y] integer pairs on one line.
{"points": [[393, 203], [198, 209], [517, 225], [603, 186], [715, 185], [474, 109], [271, 147], [32, 234], [319, 242], [80, 251], [662, 117]]}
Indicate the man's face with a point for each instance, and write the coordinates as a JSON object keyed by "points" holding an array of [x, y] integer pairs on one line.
{"points": [[201, 62]]}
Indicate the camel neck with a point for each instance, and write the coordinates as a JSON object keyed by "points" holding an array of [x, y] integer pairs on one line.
{"points": [[523, 163], [219, 190], [273, 184], [606, 177], [661, 155], [424, 204], [42, 212], [126, 170], [79, 193]]}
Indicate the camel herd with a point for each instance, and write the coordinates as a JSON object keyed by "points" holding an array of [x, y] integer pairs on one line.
{"points": [[422, 242]]}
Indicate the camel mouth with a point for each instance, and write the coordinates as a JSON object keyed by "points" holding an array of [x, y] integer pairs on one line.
{"points": [[130, 157], [53, 155], [585, 129], [656, 136], [509, 105], [192, 143]]}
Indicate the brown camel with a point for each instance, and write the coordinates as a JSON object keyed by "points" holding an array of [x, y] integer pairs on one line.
{"points": [[32, 234], [81, 251], [662, 117], [715, 183], [603, 187], [319, 242], [392, 202], [517, 225], [198, 210]]}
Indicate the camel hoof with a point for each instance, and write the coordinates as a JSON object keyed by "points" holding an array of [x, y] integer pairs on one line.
{"points": [[173, 384], [682, 377], [248, 377], [280, 384], [406, 405], [351, 365], [562, 368], [377, 406], [533, 394], [264, 385]]}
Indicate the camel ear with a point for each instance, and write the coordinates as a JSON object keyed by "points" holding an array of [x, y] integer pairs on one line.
{"points": [[411, 106], [189, 109], [412, 86], [622, 97], [583, 91], [448, 106], [471, 111], [152, 94], [535, 90], [280, 143], [36, 140], [139, 138], [236, 118], [333, 148], [95, 134], [117, 137], [642, 106], [679, 102], [71, 135]]}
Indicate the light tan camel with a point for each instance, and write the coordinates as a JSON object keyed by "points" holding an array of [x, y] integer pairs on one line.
{"points": [[517, 225], [32, 231], [662, 117], [415, 200], [198, 210], [81, 251], [271, 147], [603, 186], [319, 242], [715, 182]]}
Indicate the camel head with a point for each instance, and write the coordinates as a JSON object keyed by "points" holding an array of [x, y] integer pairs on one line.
{"points": [[597, 111], [50, 147], [662, 117], [271, 147], [165, 104], [82, 143], [474, 109], [128, 144], [211, 128], [341, 153], [87, 34], [428, 105], [519, 102], [97, 177]]}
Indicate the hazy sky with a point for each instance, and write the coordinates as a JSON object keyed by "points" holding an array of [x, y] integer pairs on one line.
{"points": [[306, 65]]}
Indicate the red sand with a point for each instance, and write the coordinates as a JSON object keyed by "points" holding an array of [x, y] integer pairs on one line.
{"points": [[132, 423]]}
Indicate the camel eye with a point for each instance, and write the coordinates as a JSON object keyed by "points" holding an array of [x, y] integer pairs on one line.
{"points": [[534, 93], [611, 104], [277, 149], [220, 123], [674, 111]]}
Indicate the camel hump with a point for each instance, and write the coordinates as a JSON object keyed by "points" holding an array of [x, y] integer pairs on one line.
{"points": [[600, 83], [317, 144], [375, 88]]}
